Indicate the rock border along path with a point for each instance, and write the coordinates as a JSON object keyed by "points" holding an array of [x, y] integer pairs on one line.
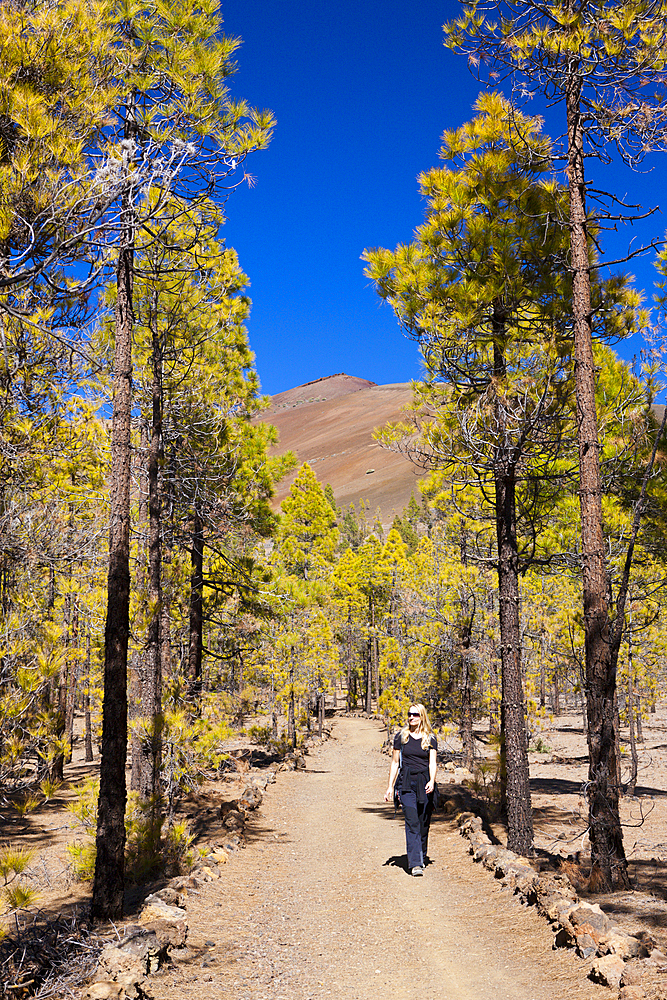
{"points": [[320, 905], [630, 963]]}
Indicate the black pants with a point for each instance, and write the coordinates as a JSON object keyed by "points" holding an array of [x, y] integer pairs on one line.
{"points": [[417, 821]]}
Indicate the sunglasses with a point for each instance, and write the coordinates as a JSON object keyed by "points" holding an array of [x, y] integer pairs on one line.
{"points": [[416, 714]]}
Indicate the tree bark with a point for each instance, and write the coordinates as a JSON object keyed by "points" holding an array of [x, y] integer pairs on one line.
{"points": [[88, 733], [291, 720], [513, 723], [135, 683], [556, 694], [609, 865], [320, 708], [632, 783], [151, 694], [137, 663], [196, 604], [108, 885], [465, 640], [494, 708], [56, 771], [369, 660], [519, 809], [349, 702]]}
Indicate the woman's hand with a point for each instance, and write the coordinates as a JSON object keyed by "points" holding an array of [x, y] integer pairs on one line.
{"points": [[430, 785], [389, 794]]}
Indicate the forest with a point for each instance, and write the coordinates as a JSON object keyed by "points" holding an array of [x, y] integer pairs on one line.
{"points": [[148, 585]]}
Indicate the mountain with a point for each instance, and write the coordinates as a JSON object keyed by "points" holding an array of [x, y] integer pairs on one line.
{"points": [[329, 424]]}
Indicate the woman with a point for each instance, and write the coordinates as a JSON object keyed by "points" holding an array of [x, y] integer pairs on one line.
{"points": [[415, 751]]}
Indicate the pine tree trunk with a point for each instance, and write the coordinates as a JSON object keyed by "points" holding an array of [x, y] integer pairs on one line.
{"points": [[72, 695], [556, 694], [369, 658], [369, 664], [56, 771], [494, 708], [151, 694], [291, 720], [632, 783], [609, 865], [72, 638], [196, 604], [584, 698], [167, 560], [137, 664], [109, 882], [519, 809], [617, 742], [135, 682], [349, 660], [320, 709], [513, 723], [465, 640], [88, 731], [465, 727]]}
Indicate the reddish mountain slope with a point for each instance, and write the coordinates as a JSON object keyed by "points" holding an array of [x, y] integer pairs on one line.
{"points": [[329, 424]]}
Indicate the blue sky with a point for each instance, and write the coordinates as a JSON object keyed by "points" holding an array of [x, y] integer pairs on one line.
{"points": [[362, 92]]}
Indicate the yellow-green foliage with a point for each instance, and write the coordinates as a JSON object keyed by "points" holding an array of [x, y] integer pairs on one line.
{"points": [[19, 896], [192, 749], [81, 854], [151, 845], [308, 535], [49, 787], [63, 474], [52, 81], [84, 806], [14, 861], [26, 804]]}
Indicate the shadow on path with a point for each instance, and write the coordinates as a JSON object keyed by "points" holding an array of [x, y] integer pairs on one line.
{"points": [[555, 786], [398, 861]]}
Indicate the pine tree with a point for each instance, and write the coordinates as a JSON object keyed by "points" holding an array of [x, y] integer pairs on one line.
{"points": [[481, 288], [485, 288], [57, 88], [598, 59], [176, 125], [308, 535]]}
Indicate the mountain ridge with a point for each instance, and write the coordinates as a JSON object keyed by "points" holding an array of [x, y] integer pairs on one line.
{"points": [[329, 423]]}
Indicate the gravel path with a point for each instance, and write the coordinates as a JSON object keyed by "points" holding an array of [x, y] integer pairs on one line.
{"points": [[320, 905]]}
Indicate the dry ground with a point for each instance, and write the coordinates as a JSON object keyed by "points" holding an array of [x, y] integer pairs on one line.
{"points": [[319, 904], [557, 781]]}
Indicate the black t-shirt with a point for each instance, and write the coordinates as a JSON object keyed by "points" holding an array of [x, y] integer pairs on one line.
{"points": [[415, 758]]}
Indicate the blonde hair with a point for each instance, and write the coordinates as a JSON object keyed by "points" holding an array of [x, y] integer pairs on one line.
{"points": [[424, 728]]}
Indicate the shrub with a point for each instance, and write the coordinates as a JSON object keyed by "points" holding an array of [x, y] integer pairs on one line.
{"points": [[150, 846], [49, 787], [16, 860], [27, 804], [82, 854], [84, 806], [19, 895], [260, 734]]}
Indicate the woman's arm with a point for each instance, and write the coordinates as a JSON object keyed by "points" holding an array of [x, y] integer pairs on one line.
{"points": [[393, 771], [432, 770]]}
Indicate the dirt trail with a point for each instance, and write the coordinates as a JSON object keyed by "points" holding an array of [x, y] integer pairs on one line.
{"points": [[319, 905]]}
